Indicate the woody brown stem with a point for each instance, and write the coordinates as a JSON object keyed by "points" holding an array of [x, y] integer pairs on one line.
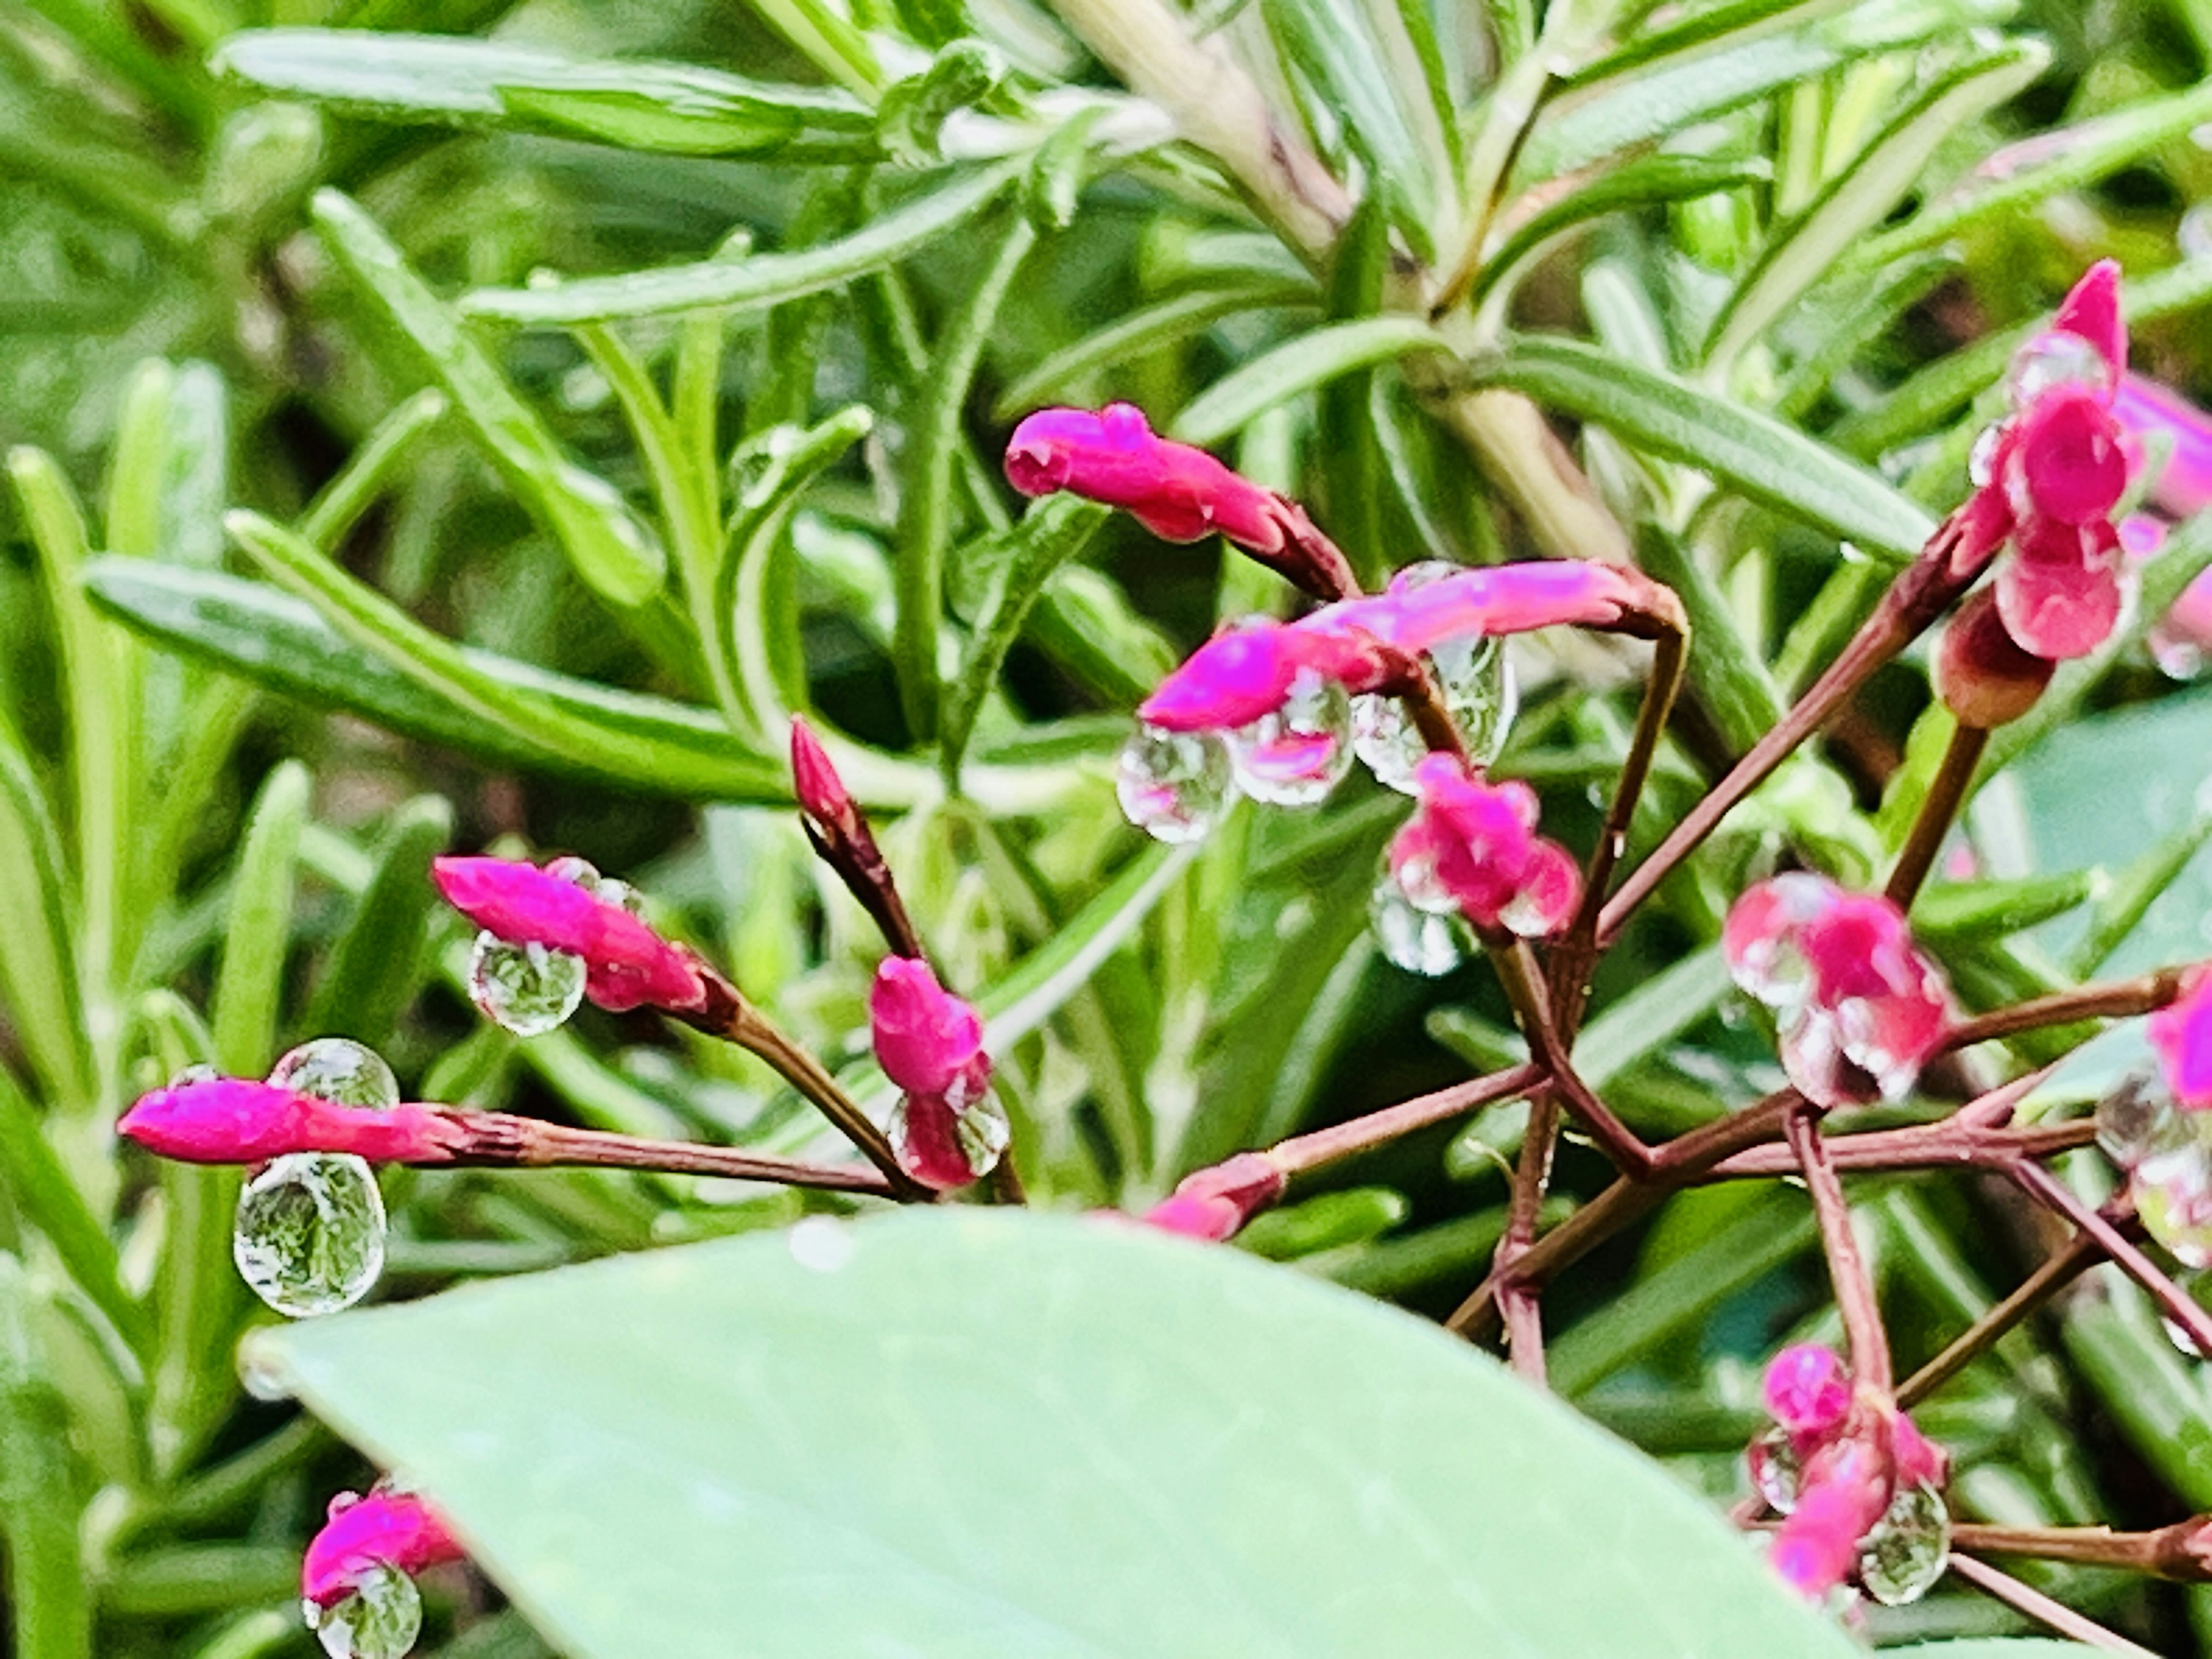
{"points": [[1946, 792], [496, 1139], [2039, 1607], [2178, 1552], [1866, 1342], [1302, 1153], [2176, 1303], [1525, 990]]}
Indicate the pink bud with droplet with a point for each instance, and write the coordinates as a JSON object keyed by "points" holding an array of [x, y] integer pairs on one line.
{"points": [[385, 1528], [1476, 842], [1214, 1203], [926, 1040], [227, 1120], [627, 965], [1808, 1389]]}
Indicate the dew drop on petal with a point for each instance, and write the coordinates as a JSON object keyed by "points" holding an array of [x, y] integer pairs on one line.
{"points": [[1900, 1560], [1295, 756], [1172, 785], [380, 1619], [2053, 360], [583, 872], [309, 1238], [528, 990], [1480, 690], [1424, 942], [1385, 739], [2137, 1121], [338, 1070], [1982, 459], [2172, 1193], [1774, 1469]]}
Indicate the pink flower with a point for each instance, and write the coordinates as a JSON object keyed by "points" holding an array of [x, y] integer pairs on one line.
{"points": [[1492, 600], [1842, 1496], [1215, 1202], [2052, 476], [1808, 1389], [1248, 669], [927, 1039], [228, 1119], [1178, 492], [1473, 845], [627, 965], [385, 1528], [822, 794], [1859, 1008], [2182, 1033]]}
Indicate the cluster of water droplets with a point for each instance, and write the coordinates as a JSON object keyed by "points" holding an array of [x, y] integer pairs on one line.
{"points": [[378, 1619], [1472, 677], [309, 1234], [1900, 1560], [2167, 1155], [530, 989]]}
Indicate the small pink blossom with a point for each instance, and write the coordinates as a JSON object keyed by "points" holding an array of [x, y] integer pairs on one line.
{"points": [[2061, 593], [1179, 493], [627, 965], [1808, 1389], [1859, 1008], [1840, 1498], [1214, 1203], [385, 1528], [1493, 600], [927, 1039], [821, 793], [1474, 844], [2182, 1033], [1248, 669], [227, 1120]]}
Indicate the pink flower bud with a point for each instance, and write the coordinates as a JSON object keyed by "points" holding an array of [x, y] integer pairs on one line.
{"points": [[926, 1038], [227, 1120], [821, 792], [2066, 460], [627, 965], [1493, 600], [1178, 492], [1248, 670], [1476, 843], [2091, 311], [1920, 1461], [385, 1528], [1982, 675], [1808, 1389], [1840, 1498], [1214, 1203], [2182, 1033], [1858, 1008]]}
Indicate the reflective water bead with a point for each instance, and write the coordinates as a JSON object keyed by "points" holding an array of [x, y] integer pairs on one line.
{"points": [[527, 988], [2137, 1121], [1480, 690], [1900, 1560], [1385, 740], [583, 873], [1172, 785], [2172, 1193], [981, 1128], [1295, 756], [1982, 459], [2054, 358], [1423, 941], [380, 1621], [1774, 1469], [310, 1233], [339, 1070]]}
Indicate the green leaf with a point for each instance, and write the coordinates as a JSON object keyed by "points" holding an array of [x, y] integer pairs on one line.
{"points": [[764, 279], [1051, 532], [1052, 1380], [49, 1591], [1149, 328], [1760, 457], [673, 107], [1994, 1647], [1728, 675], [1651, 1016], [1861, 196], [1312, 359], [614, 554], [1622, 102], [1331, 1221], [377, 961], [249, 988], [38, 942], [1990, 909], [39, 1187]]}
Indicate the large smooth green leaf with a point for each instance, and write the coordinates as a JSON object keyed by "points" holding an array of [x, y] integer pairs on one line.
{"points": [[452, 79], [764, 279], [1761, 458], [998, 1433]]}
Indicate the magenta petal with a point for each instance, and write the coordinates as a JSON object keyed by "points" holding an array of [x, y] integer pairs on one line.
{"points": [[1499, 600], [931, 1151], [2068, 457], [2183, 486], [2091, 311], [1551, 887], [627, 964], [2181, 1032], [2056, 606], [391, 1529], [925, 1037], [1842, 1497], [1196, 1215], [235, 1120], [1808, 1389], [1231, 680]]}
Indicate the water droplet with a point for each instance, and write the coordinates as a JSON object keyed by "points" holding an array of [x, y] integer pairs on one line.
{"points": [[583, 872], [199, 1072], [310, 1233], [981, 1133], [527, 988], [1480, 689], [1295, 756], [2179, 654], [1900, 1560], [1423, 941], [2053, 360], [2137, 1121], [2192, 237], [2172, 1193], [1982, 461], [1385, 740], [1774, 1469], [380, 1621], [2183, 1344], [1172, 785], [339, 1070]]}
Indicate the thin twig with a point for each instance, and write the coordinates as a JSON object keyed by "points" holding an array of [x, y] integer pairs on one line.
{"points": [[499, 1140], [1301, 1153], [1946, 792], [2176, 1303], [2037, 1606], [1525, 989], [1868, 1344]]}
